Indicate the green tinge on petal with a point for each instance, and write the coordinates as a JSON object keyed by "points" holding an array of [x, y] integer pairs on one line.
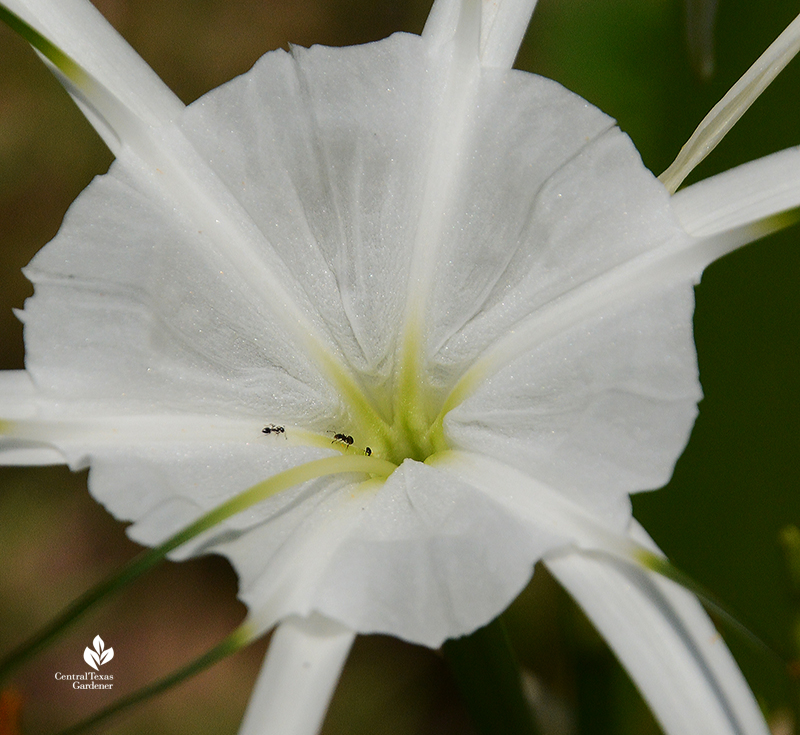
{"points": [[727, 241], [276, 484], [768, 225], [367, 421], [417, 428], [776, 222], [462, 390], [411, 416], [114, 120], [66, 65]]}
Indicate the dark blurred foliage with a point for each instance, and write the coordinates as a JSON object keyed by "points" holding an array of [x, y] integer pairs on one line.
{"points": [[720, 519]]}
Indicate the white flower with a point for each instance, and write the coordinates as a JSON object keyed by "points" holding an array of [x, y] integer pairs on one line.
{"points": [[462, 272]]}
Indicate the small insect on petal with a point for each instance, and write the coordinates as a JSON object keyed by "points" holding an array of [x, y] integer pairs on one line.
{"points": [[343, 439], [272, 429]]}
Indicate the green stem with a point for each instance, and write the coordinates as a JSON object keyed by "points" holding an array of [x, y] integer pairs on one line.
{"points": [[236, 640], [488, 676], [147, 559]]}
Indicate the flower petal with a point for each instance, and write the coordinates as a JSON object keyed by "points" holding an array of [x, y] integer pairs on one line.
{"points": [[593, 378], [302, 667], [170, 343], [505, 231], [598, 410], [424, 556], [549, 514], [666, 641], [341, 137], [164, 471]]}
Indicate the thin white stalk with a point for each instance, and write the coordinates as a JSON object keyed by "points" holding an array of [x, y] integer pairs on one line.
{"points": [[502, 30], [726, 113], [296, 683], [503, 26], [78, 29], [666, 641]]}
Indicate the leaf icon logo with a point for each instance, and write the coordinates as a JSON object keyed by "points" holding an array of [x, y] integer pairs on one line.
{"points": [[101, 655]]}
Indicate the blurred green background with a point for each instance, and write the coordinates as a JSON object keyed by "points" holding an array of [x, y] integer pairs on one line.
{"points": [[734, 490]]}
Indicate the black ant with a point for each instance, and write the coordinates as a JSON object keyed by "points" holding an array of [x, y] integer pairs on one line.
{"points": [[343, 439], [272, 429]]}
